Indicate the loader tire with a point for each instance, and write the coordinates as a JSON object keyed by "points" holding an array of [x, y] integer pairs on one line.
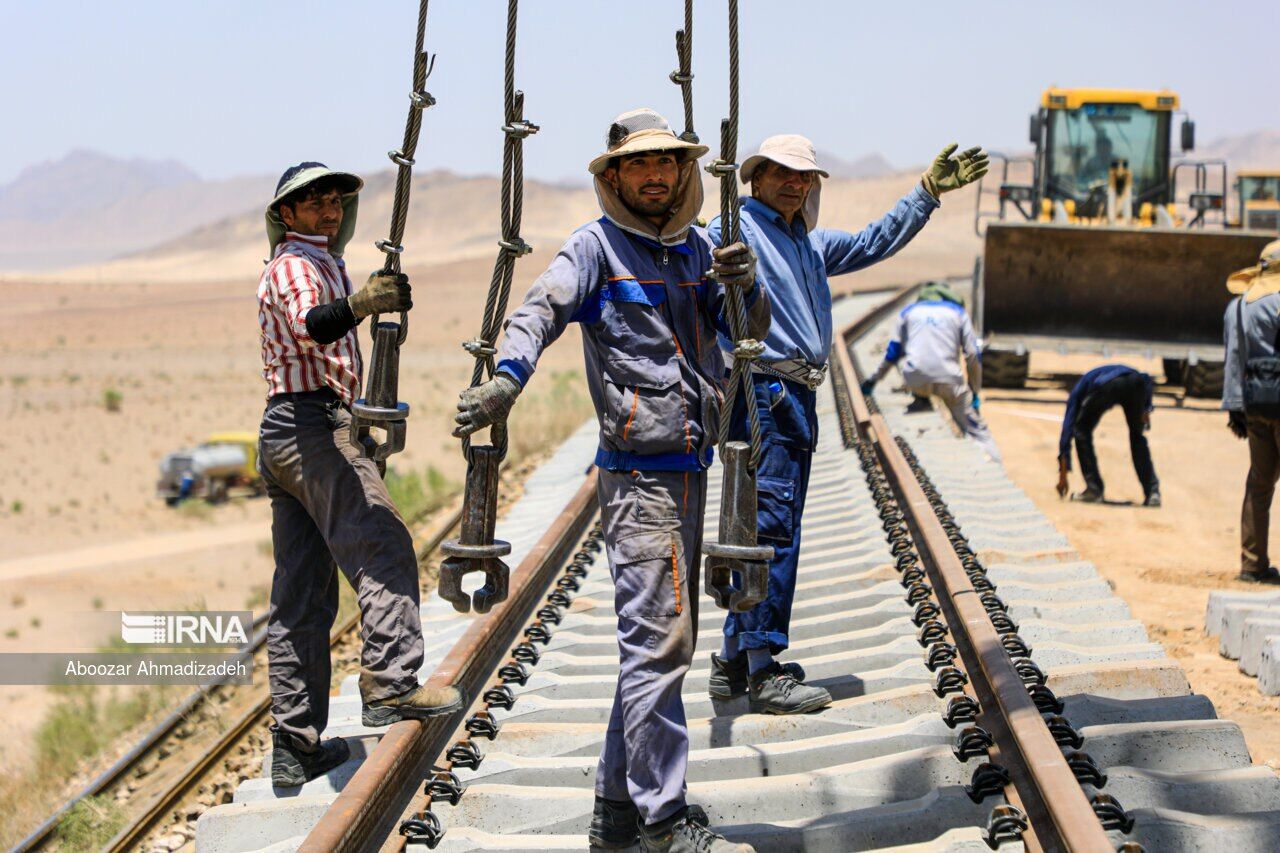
{"points": [[1175, 370], [1004, 369], [1203, 379]]}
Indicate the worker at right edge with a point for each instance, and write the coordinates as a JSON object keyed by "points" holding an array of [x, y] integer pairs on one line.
{"points": [[1251, 396], [796, 257]]}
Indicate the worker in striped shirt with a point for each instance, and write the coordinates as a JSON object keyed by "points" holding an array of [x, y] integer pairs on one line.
{"points": [[330, 508]]}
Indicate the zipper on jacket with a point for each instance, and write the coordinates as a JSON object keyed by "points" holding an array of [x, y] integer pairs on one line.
{"points": [[664, 256]]}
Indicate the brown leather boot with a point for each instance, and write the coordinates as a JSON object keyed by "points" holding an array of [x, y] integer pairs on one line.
{"points": [[417, 704]]}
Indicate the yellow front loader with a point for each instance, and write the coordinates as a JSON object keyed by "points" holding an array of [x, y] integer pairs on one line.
{"points": [[1096, 248]]}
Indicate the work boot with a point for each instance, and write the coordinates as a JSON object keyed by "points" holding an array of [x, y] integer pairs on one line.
{"points": [[729, 677], [686, 831], [775, 691], [615, 825], [1269, 575], [1152, 499], [1088, 496], [919, 404], [292, 764], [417, 704]]}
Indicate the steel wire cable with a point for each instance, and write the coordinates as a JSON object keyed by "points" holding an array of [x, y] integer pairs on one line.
{"points": [[683, 75], [403, 157], [511, 245], [745, 349]]}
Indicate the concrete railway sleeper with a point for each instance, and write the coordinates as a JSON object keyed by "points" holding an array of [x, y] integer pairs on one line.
{"points": [[915, 753]]}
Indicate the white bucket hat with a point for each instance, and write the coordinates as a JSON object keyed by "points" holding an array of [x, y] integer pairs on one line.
{"points": [[795, 152]]}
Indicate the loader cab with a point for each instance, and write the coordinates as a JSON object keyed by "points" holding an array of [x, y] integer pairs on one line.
{"points": [[1258, 194], [1088, 141]]}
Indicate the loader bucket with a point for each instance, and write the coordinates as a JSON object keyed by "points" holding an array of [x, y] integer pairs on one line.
{"points": [[1132, 284]]}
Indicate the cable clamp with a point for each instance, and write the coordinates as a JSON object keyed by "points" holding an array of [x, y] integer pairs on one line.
{"points": [[515, 246], [422, 100], [520, 129], [397, 156], [748, 349], [677, 77], [389, 247], [479, 347], [721, 168]]}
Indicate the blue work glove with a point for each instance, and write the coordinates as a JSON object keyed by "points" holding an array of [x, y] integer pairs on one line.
{"points": [[977, 403], [867, 386]]}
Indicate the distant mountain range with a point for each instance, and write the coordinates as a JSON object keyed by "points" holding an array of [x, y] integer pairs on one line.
{"points": [[88, 208]]}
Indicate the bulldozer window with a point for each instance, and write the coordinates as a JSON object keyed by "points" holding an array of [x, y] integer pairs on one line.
{"points": [[1084, 143]]}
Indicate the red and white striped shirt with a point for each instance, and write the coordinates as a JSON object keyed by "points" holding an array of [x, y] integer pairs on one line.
{"points": [[301, 276]]}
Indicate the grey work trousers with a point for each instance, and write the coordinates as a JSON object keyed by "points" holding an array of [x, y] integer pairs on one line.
{"points": [[330, 510], [652, 523], [1259, 489], [959, 402]]}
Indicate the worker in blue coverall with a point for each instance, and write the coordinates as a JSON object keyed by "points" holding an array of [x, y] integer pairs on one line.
{"points": [[1097, 391], [779, 221], [647, 290]]}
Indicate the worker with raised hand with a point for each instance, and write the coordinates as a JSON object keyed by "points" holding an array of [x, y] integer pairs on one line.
{"points": [[780, 221], [1251, 397], [330, 509], [647, 289], [1098, 391], [930, 337]]}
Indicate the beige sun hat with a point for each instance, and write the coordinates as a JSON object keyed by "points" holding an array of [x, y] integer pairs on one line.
{"points": [[789, 149], [1261, 279], [794, 152], [642, 130]]}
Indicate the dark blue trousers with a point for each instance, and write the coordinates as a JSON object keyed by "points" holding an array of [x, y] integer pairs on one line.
{"points": [[789, 431]]}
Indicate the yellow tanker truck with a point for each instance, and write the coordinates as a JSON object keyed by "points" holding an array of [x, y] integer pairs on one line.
{"points": [[1093, 246]]}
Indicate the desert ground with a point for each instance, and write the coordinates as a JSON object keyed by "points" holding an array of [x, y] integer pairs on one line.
{"points": [[1163, 562]]}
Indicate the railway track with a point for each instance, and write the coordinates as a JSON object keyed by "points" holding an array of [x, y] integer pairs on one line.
{"points": [[990, 688], [166, 737]]}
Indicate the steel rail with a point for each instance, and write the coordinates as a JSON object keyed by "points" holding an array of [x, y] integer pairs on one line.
{"points": [[136, 830], [1042, 784], [364, 815], [140, 750]]}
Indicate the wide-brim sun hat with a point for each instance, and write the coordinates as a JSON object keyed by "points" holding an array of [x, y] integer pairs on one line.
{"points": [[789, 149], [1268, 266], [640, 131], [299, 176]]}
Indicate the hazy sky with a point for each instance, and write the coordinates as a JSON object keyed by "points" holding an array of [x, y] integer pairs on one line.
{"points": [[239, 86]]}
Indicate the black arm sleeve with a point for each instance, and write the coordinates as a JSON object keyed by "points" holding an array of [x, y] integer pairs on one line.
{"points": [[329, 322]]}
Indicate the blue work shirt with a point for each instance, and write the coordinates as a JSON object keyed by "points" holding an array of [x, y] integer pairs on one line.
{"points": [[793, 265], [1090, 382]]}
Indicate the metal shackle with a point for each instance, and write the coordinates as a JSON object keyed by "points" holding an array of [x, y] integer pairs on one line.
{"points": [[737, 553], [475, 550], [380, 407]]}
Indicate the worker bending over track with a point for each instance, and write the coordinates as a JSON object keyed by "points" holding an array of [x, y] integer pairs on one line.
{"points": [[329, 506], [1251, 396], [780, 222], [927, 342], [1095, 393], [637, 281]]}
